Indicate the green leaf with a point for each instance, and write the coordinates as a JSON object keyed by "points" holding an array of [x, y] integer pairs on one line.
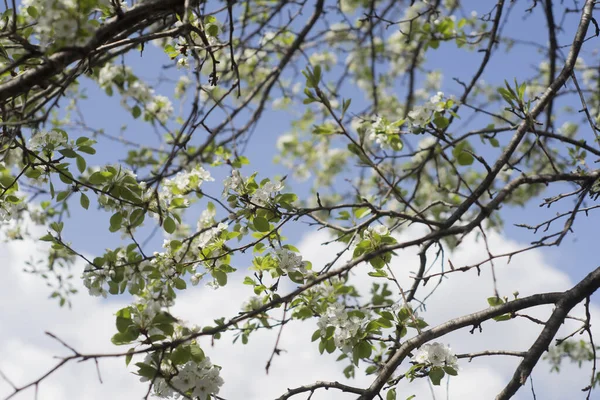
{"points": [[66, 177], [181, 355], [441, 122], [330, 346], [129, 356], [261, 224], [197, 353], [169, 225], [47, 238], [115, 222], [435, 375], [363, 349], [221, 277], [80, 163], [125, 337], [84, 201], [213, 30], [450, 371], [377, 262], [361, 212], [145, 370], [81, 140], [57, 226], [465, 158], [495, 301], [136, 111], [391, 395], [32, 11], [87, 149], [179, 283], [345, 105], [387, 315], [123, 324], [62, 195], [137, 217], [68, 153], [97, 178], [316, 335]]}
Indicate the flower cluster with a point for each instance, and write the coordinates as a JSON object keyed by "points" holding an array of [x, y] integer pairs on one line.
{"points": [[380, 230], [209, 234], [183, 183], [95, 279], [234, 183], [109, 73], [421, 116], [8, 210], [146, 309], [59, 21], [98, 278], [436, 355], [262, 195], [160, 108], [47, 140], [290, 261], [346, 327], [198, 380], [385, 133]]}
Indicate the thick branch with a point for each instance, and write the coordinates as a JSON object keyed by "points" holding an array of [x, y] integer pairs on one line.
{"points": [[146, 12]]}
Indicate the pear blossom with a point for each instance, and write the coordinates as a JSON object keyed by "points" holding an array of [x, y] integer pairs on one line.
{"points": [[206, 237], [436, 355], [262, 196], [346, 327], [160, 108], [290, 261], [380, 230], [234, 183], [43, 139]]}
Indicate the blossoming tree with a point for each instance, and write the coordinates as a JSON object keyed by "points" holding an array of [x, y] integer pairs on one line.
{"points": [[383, 149]]}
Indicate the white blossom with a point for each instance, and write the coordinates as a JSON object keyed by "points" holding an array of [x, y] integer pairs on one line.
{"points": [[421, 115], [380, 230], [290, 261], [160, 108], [209, 235], [437, 355], [183, 183], [234, 183], [206, 218], [8, 210], [108, 73], [346, 327], [43, 139], [139, 91], [262, 196], [183, 63]]}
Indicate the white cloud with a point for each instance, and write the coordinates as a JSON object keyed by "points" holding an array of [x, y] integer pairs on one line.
{"points": [[26, 352]]}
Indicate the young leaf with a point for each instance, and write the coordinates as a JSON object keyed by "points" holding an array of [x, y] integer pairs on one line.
{"points": [[84, 201]]}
